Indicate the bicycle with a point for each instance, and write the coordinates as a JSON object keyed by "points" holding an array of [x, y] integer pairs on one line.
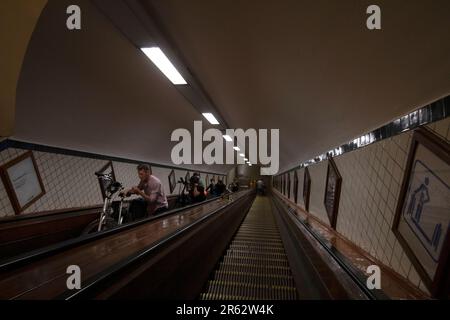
{"points": [[106, 220], [183, 198]]}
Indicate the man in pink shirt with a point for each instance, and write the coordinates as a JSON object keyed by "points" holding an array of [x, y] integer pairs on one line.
{"points": [[151, 190]]}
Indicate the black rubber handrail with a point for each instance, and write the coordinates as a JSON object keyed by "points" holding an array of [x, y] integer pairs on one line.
{"points": [[33, 255], [48, 214], [354, 274]]}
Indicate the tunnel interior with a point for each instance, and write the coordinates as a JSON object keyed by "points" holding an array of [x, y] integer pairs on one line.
{"points": [[215, 150]]}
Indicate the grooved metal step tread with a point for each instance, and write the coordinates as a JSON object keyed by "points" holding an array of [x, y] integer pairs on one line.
{"points": [[218, 283], [269, 254], [257, 245], [279, 280], [254, 248], [255, 265], [266, 268]]}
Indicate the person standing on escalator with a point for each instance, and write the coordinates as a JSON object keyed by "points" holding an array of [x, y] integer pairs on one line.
{"points": [[151, 190], [210, 188]]}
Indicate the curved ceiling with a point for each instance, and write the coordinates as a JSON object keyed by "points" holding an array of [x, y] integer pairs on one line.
{"points": [[92, 90], [12, 58], [309, 68], [312, 68]]}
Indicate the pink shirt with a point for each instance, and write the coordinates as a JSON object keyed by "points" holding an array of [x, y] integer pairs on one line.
{"points": [[154, 189]]}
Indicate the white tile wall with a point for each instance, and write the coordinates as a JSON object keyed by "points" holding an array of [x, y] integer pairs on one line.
{"points": [[301, 176], [318, 173], [371, 180], [70, 182], [288, 192]]}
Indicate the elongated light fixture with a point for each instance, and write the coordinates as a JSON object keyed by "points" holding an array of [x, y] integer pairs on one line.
{"points": [[210, 117], [236, 148], [158, 57]]}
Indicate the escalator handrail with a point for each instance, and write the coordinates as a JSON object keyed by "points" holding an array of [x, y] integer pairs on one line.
{"points": [[355, 275], [114, 269], [28, 257]]}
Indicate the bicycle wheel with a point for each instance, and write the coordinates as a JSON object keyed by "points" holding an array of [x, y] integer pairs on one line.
{"points": [[93, 226]]}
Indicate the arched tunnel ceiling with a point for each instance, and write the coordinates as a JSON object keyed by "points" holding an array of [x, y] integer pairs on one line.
{"points": [[312, 68], [309, 68], [92, 90]]}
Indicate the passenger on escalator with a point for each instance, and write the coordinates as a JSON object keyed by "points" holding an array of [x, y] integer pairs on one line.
{"points": [[196, 189], [234, 187], [260, 187], [210, 188], [219, 188], [151, 190]]}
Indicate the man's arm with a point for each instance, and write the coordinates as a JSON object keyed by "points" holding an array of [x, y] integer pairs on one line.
{"points": [[149, 198]]}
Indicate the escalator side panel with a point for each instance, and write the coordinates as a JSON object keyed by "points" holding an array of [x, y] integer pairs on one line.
{"points": [[178, 269], [307, 279]]}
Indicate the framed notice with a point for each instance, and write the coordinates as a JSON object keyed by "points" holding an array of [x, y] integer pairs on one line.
{"points": [[306, 188], [107, 169], [22, 181], [172, 181], [289, 185], [332, 192], [295, 186], [422, 218]]}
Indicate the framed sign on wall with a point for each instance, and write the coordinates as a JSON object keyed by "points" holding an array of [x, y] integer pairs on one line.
{"points": [[22, 181], [172, 181], [289, 185], [285, 184], [332, 192], [107, 169], [295, 186], [422, 218], [306, 188]]}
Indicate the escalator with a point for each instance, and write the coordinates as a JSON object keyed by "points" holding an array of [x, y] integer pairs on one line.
{"points": [[255, 265], [231, 248], [168, 256]]}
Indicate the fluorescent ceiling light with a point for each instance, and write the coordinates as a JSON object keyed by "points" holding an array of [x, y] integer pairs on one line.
{"points": [[242, 155], [210, 117], [163, 63], [236, 148], [228, 138], [245, 159], [249, 164]]}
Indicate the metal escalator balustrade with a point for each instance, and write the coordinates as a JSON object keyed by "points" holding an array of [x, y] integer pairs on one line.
{"points": [[255, 265]]}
